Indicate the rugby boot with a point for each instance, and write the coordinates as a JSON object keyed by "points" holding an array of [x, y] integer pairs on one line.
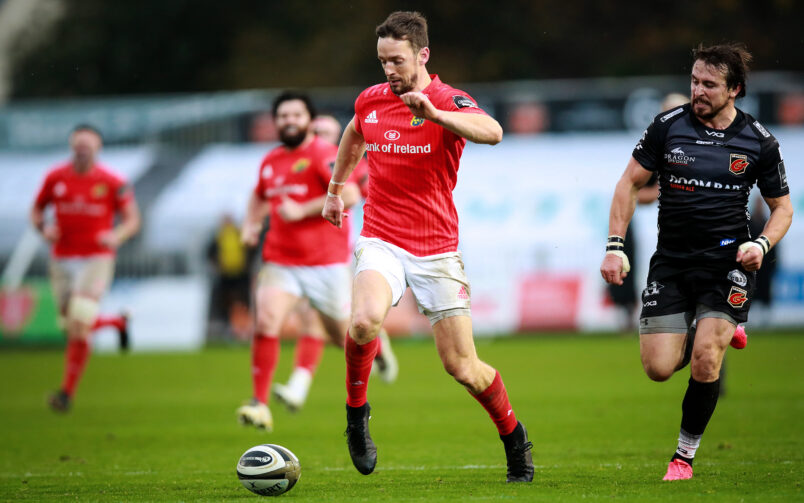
{"points": [[361, 448], [740, 339], [257, 414], [60, 401], [678, 469], [284, 394], [517, 454], [385, 363]]}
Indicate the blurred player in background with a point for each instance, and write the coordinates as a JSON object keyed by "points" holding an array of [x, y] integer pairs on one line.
{"points": [[85, 196], [707, 154], [311, 343], [414, 128], [304, 256]]}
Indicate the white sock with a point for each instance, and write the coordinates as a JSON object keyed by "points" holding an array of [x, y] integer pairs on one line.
{"points": [[687, 444]]}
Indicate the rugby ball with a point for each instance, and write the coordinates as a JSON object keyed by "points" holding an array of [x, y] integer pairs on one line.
{"points": [[268, 470]]}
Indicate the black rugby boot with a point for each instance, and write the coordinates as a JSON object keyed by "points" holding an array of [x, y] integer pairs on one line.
{"points": [[59, 401], [517, 454], [361, 447]]}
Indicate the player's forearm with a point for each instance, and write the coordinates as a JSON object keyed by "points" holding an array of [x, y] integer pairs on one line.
{"points": [[622, 207], [350, 151], [255, 210], [476, 128], [130, 222], [781, 216], [37, 217]]}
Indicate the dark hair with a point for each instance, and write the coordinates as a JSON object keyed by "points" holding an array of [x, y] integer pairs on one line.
{"points": [[405, 25], [732, 56], [295, 95], [87, 127]]}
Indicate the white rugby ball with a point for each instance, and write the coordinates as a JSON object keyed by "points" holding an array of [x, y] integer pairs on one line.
{"points": [[268, 470]]}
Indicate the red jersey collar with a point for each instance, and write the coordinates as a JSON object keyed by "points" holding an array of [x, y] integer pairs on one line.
{"points": [[434, 83]]}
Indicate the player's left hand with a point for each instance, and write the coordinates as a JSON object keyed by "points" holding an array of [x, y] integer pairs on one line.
{"points": [[420, 105], [290, 211], [750, 257], [110, 240]]}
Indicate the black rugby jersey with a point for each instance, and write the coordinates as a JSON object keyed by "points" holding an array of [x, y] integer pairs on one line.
{"points": [[705, 177]]}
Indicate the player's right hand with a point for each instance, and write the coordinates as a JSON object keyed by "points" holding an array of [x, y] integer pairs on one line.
{"points": [[51, 232], [333, 211], [614, 268], [250, 233]]}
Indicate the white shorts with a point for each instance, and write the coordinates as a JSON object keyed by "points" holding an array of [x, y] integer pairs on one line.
{"points": [[438, 282], [328, 287]]}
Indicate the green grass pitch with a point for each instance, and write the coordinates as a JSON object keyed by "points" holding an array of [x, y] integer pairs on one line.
{"points": [[161, 427]]}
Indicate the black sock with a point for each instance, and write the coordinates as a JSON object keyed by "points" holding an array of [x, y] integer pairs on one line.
{"points": [[697, 408]]}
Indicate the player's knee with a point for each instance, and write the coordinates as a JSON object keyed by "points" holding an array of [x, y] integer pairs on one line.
{"points": [[82, 310], [705, 365], [658, 370], [461, 369], [364, 326]]}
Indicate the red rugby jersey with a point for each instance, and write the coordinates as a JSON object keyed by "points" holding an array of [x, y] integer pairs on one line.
{"points": [[85, 205], [413, 168], [301, 174]]}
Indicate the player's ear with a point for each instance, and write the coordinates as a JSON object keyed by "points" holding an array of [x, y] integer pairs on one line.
{"points": [[733, 92], [424, 55]]}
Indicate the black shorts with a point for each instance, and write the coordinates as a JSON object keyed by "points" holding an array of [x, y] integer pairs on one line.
{"points": [[680, 287]]}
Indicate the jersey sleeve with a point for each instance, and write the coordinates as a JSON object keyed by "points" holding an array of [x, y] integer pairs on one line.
{"points": [[357, 122], [123, 192], [649, 148], [456, 100], [45, 194], [262, 174], [771, 175]]}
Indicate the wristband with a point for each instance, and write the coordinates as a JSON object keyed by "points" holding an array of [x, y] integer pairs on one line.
{"points": [[615, 243], [333, 182], [762, 242], [332, 194]]}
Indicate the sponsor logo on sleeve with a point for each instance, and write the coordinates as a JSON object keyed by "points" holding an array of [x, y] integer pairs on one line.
{"points": [[764, 132], [641, 140], [726, 242], [737, 277], [738, 163], [782, 175], [737, 297], [667, 117], [463, 102]]}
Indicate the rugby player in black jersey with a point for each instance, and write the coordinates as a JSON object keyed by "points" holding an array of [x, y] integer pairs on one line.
{"points": [[707, 155]]}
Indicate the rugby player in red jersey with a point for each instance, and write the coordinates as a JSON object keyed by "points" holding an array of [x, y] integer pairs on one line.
{"points": [[310, 345], [414, 128], [86, 196], [304, 256]]}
